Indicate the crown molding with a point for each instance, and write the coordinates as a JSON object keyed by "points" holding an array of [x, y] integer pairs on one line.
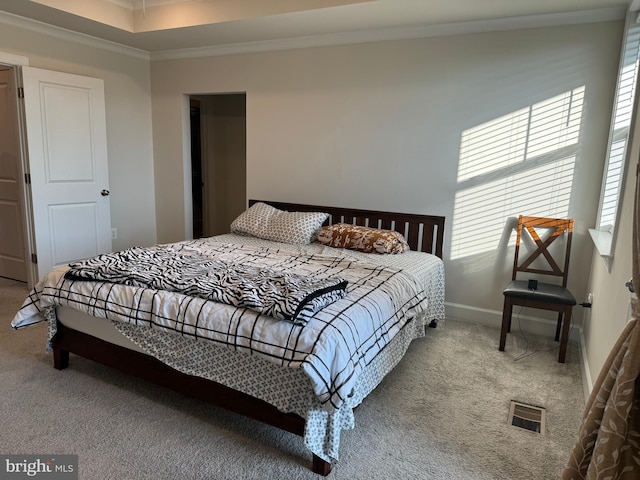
{"points": [[11, 59], [69, 35], [140, 4], [365, 36], [128, 4]]}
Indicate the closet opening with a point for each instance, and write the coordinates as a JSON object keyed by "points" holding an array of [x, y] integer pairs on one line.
{"points": [[218, 161]]}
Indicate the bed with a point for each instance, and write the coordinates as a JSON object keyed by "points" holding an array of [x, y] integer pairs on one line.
{"points": [[283, 379]]}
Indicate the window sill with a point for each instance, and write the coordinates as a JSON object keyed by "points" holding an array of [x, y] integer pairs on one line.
{"points": [[603, 242]]}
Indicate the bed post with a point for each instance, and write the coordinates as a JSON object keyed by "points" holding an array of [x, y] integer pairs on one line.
{"points": [[60, 358], [321, 466]]}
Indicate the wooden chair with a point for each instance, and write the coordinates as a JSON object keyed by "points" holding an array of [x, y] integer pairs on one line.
{"points": [[533, 293]]}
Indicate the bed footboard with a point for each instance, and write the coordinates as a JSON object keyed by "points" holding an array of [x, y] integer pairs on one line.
{"points": [[67, 340]]}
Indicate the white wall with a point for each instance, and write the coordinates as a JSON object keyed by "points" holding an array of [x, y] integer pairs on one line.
{"points": [[610, 311], [128, 115], [378, 125]]}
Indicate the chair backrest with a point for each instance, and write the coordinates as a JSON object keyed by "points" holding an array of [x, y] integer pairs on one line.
{"points": [[543, 232]]}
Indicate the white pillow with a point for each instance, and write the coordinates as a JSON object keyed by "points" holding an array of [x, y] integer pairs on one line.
{"points": [[264, 221]]}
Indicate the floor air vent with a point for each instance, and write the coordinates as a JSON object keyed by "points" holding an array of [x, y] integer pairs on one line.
{"points": [[528, 417]]}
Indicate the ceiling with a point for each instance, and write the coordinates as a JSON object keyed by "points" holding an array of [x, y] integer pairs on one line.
{"points": [[155, 26]]}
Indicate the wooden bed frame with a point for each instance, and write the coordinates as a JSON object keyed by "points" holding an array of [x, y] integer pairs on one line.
{"points": [[423, 233]]}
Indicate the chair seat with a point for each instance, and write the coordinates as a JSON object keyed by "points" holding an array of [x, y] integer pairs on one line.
{"points": [[546, 292]]}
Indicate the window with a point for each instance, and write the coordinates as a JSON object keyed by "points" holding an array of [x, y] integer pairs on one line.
{"points": [[617, 151]]}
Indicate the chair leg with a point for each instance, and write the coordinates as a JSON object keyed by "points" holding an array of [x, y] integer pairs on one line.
{"points": [[565, 335], [558, 325], [506, 323]]}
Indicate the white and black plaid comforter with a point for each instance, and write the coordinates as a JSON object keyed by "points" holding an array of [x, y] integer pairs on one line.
{"points": [[332, 346]]}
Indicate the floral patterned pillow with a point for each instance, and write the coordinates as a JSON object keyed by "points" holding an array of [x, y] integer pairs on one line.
{"points": [[264, 221], [364, 239]]}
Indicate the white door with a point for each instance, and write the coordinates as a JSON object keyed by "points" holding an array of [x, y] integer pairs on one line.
{"points": [[67, 144], [12, 234]]}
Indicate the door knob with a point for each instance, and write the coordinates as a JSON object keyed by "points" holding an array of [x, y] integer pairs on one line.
{"points": [[104, 193]]}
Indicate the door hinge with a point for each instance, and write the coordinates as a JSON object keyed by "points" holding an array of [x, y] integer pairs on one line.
{"points": [[20, 92], [27, 178], [34, 258]]}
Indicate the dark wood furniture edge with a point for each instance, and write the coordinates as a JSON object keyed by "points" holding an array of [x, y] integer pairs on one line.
{"points": [[564, 321], [431, 241], [150, 369]]}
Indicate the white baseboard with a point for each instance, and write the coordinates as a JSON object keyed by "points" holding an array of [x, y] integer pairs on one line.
{"points": [[529, 324], [493, 318], [587, 383]]}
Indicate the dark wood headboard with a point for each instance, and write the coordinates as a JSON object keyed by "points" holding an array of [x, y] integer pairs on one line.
{"points": [[424, 233]]}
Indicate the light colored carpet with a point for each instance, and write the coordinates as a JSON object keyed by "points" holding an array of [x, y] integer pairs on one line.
{"points": [[441, 414]]}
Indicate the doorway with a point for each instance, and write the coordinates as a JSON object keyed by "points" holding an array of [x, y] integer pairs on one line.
{"points": [[218, 161], [51, 212], [13, 252]]}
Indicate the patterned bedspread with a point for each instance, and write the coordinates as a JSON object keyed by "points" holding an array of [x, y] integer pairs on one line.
{"points": [[277, 293], [332, 347]]}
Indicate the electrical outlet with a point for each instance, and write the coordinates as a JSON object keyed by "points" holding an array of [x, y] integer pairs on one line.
{"points": [[114, 233], [590, 298]]}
